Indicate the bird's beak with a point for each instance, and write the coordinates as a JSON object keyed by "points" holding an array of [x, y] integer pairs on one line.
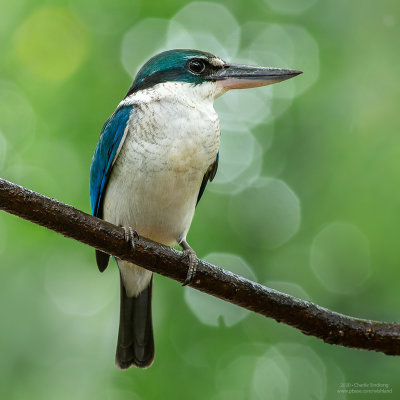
{"points": [[236, 76]]}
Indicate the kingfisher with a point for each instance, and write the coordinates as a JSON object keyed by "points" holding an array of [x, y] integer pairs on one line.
{"points": [[155, 155]]}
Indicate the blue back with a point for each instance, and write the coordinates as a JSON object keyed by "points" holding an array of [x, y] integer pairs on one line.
{"points": [[104, 155]]}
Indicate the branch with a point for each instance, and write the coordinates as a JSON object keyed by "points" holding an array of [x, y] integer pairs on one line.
{"points": [[309, 318]]}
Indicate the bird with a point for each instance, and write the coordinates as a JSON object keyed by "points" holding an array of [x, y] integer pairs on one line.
{"points": [[154, 157]]}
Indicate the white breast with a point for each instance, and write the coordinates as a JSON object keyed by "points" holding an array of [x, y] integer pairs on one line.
{"points": [[172, 140]]}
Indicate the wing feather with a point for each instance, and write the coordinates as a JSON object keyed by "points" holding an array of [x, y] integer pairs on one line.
{"points": [[110, 142], [209, 176]]}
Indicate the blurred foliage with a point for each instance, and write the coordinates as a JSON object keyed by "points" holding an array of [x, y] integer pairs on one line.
{"points": [[308, 205]]}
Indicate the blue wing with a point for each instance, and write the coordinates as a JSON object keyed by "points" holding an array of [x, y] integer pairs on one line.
{"points": [[111, 137]]}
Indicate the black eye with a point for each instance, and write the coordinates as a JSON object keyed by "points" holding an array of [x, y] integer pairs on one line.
{"points": [[196, 66]]}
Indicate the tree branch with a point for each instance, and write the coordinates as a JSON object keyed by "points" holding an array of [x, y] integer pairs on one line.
{"points": [[309, 318]]}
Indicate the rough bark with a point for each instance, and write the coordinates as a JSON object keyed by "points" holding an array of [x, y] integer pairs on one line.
{"points": [[309, 318]]}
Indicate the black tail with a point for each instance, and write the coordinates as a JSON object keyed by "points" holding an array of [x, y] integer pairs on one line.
{"points": [[135, 338]]}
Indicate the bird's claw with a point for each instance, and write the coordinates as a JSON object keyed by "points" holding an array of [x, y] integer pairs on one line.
{"points": [[193, 261], [130, 236], [190, 254]]}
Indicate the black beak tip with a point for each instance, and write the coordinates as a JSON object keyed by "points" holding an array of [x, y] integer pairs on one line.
{"points": [[296, 72]]}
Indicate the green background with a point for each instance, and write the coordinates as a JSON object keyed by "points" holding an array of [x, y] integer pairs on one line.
{"points": [[306, 199]]}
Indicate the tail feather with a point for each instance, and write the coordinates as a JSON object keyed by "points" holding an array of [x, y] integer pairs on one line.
{"points": [[102, 260], [135, 338]]}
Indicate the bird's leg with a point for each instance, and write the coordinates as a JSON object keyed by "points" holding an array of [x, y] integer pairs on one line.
{"points": [[130, 236], [193, 261]]}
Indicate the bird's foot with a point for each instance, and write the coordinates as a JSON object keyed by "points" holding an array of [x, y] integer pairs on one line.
{"points": [[130, 236], [190, 254]]}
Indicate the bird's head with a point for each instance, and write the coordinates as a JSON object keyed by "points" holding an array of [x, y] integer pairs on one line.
{"points": [[196, 67]]}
